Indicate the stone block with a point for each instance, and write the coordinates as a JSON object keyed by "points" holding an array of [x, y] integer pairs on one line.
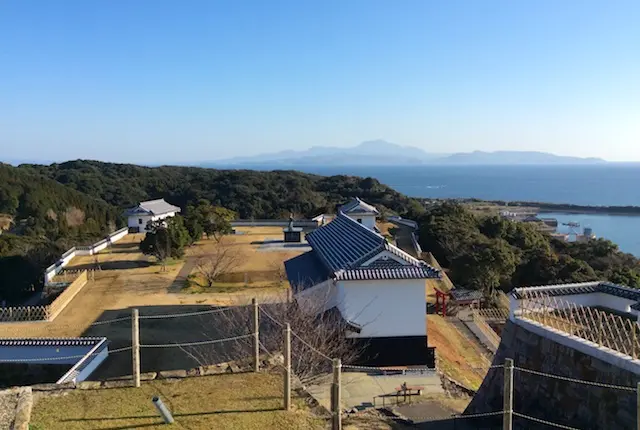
{"points": [[88, 385], [234, 368], [148, 376], [23, 409], [168, 374], [52, 387], [117, 384], [215, 369], [194, 372]]}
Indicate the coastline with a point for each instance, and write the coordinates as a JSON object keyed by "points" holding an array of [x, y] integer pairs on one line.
{"points": [[543, 207]]}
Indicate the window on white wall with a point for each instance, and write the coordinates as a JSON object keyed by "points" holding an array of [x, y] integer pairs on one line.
{"points": [[139, 220]]}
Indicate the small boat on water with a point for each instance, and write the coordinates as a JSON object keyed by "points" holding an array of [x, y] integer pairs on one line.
{"points": [[571, 224]]}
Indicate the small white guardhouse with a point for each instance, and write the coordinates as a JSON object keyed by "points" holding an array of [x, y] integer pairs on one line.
{"points": [[152, 210], [377, 289], [361, 212]]}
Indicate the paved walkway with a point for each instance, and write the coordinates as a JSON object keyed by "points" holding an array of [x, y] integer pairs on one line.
{"points": [[359, 389]]}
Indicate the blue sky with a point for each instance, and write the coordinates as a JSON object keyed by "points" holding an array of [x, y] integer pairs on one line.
{"points": [[179, 81]]}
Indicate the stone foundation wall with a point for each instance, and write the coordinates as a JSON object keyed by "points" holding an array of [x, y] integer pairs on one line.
{"points": [[238, 366], [563, 402]]}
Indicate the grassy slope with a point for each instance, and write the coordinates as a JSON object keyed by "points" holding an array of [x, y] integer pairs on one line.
{"points": [[240, 401], [455, 353]]}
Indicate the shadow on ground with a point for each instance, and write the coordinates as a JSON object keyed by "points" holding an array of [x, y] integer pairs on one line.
{"points": [[114, 265], [164, 331]]}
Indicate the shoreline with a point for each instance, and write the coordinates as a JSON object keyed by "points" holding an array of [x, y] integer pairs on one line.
{"points": [[542, 207]]}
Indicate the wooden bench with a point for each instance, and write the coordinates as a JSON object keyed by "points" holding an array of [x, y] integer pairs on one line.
{"points": [[409, 389]]}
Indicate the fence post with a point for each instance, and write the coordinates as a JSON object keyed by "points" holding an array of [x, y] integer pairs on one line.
{"points": [[256, 336], [287, 367], [507, 420], [135, 346], [336, 416]]}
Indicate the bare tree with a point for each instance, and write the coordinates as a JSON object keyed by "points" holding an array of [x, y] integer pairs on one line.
{"points": [[224, 258], [318, 335]]}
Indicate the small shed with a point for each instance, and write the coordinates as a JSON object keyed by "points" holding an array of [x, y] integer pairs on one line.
{"points": [[464, 297], [47, 360]]}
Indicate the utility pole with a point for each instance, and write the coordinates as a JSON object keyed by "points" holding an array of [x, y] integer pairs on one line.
{"points": [[135, 346], [507, 421], [287, 367], [256, 336]]}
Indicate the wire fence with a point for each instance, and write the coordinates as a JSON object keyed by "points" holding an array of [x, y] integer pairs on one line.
{"points": [[285, 348]]}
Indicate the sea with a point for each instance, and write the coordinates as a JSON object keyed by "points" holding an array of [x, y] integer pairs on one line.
{"points": [[594, 185]]}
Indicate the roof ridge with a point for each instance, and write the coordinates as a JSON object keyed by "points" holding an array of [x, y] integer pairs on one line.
{"points": [[569, 285]]}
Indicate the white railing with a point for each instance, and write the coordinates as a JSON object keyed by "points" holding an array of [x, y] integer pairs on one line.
{"points": [[51, 271]]}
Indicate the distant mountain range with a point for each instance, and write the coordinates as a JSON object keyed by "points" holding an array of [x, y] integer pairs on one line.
{"points": [[382, 153]]}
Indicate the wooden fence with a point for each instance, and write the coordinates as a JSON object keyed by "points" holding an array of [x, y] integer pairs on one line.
{"points": [[46, 312], [24, 313]]}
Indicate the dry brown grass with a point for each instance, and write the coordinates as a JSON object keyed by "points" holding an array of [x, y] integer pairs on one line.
{"points": [[455, 352], [239, 401], [130, 279], [258, 270], [384, 227], [249, 242]]}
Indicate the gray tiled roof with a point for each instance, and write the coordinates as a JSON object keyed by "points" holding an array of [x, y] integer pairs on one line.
{"points": [[403, 272], [358, 206], [464, 294], [403, 222], [584, 288], [344, 245], [153, 207], [69, 341], [305, 271], [384, 264]]}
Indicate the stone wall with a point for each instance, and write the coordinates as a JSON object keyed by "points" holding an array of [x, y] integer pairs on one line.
{"points": [[559, 401]]}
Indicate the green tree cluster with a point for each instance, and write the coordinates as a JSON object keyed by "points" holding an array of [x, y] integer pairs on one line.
{"points": [[248, 193], [203, 218], [165, 239], [490, 253]]}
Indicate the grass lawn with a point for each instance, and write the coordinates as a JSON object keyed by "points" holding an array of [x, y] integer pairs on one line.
{"points": [[240, 401]]}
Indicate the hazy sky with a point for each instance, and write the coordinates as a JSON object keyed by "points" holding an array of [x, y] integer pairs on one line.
{"points": [[175, 81]]}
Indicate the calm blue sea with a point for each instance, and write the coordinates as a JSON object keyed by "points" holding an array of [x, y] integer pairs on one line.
{"points": [[605, 185]]}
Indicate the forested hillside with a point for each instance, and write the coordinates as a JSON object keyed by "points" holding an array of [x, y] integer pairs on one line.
{"points": [[257, 194], [40, 206], [491, 253], [46, 219], [58, 206]]}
